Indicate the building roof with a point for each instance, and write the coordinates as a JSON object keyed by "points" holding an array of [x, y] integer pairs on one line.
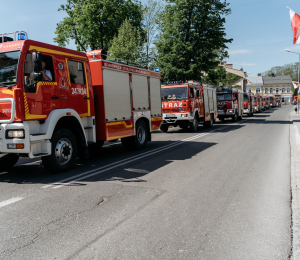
{"points": [[255, 80], [286, 79]]}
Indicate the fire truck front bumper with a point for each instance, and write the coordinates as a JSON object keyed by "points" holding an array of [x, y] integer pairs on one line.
{"points": [[228, 113], [177, 117], [246, 111], [14, 138]]}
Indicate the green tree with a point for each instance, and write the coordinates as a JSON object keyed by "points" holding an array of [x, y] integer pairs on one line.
{"points": [[192, 38], [150, 14], [93, 23], [288, 69], [126, 45]]}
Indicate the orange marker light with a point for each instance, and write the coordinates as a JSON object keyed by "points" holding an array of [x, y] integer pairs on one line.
{"points": [[69, 113], [20, 146]]}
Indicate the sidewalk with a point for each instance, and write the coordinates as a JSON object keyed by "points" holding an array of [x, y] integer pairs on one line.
{"points": [[295, 183]]}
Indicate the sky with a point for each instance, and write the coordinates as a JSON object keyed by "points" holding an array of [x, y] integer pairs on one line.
{"points": [[261, 29]]}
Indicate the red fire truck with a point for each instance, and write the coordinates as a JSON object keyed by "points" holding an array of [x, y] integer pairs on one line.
{"points": [[272, 102], [248, 104], [188, 104], [257, 103], [78, 99], [267, 102], [230, 104]]}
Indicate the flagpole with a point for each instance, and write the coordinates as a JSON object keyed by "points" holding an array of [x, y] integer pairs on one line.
{"points": [[288, 8]]}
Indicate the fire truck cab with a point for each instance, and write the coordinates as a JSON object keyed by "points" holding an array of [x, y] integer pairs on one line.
{"points": [[257, 103], [248, 104], [230, 104], [54, 102], [188, 104]]}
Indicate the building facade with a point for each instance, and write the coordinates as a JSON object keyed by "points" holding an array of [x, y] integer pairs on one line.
{"points": [[276, 86]]}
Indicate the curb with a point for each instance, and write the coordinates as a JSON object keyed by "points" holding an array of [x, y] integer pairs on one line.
{"points": [[295, 189]]}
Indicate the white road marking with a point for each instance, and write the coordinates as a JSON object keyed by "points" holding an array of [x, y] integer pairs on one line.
{"points": [[59, 185], [10, 201], [105, 168], [121, 162]]}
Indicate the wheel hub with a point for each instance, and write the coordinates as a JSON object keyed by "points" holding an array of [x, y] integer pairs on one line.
{"points": [[63, 151]]}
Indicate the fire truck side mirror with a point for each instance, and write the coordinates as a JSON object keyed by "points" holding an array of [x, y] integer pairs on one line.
{"points": [[37, 61], [38, 76]]}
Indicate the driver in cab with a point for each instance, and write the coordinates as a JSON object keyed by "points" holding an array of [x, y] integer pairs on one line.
{"points": [[47, 76]]}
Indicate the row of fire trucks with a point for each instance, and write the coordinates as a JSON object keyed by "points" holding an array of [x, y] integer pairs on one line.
{"points": [[56, 103]]}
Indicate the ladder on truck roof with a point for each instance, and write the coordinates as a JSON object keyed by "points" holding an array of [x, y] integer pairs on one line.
{"points": [[20, 34]]}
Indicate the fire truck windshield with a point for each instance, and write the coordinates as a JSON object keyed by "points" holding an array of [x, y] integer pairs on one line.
{"points": [[224, 97], [255, 99], [245, 98], [178, 93], [9, 67]]}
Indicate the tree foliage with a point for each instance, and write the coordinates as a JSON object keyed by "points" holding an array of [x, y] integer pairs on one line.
{"points": [[127, 44], [219, 75], [93, 23], [288, 69], [150, 15], [192, 38]]}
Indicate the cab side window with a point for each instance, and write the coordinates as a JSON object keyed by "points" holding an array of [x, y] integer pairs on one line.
{"points": [[191, 92], [49, 70], [76, 72], [198, 93]]}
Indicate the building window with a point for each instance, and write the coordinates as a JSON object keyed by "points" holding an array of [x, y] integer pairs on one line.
{"points": [[271, 90], [283, 90], [277, 90], [288, 90], [282, 100], [249, 90], [257, 90], [266, 90]]}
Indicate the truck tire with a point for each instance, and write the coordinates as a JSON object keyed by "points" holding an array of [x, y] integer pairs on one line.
{"points": [[194, 124], [63, 151], [8, 161], [241, 116], [210, 123], [234, 118], [139, 141], [164, 128]]}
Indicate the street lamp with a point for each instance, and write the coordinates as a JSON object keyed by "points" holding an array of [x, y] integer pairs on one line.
{"points": [[298, 75]]}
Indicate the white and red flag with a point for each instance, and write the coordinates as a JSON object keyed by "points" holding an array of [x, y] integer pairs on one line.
{"points": [[295, 20], [296, 84]]}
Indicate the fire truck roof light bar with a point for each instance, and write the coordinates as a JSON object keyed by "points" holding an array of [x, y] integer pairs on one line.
{"points": [[21, 35]]}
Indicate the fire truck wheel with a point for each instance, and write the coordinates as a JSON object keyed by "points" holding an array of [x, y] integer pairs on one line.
{"points": [[234, 118], [8, 161], [209, 123], [164, 128], [139, 141], [194, 124], [241, 116], [63, 152]]}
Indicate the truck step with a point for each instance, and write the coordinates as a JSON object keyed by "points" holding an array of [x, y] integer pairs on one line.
{"points": [[38, 134], [40, 154]]}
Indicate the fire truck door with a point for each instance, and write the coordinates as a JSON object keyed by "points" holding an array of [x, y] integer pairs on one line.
{"points": [[41, 97], [74, 91]]}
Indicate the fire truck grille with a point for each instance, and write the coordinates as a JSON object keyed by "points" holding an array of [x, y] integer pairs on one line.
{"points": [[222, 106]]}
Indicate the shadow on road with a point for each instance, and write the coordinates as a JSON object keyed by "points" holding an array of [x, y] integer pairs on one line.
{"points": [[33, 173]]}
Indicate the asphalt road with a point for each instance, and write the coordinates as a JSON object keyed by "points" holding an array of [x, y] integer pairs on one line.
{"points": [[221, 193]]}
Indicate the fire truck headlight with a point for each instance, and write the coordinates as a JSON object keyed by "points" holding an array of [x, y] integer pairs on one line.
{"points": [[230, 111], [15, 134], [184, 115]]}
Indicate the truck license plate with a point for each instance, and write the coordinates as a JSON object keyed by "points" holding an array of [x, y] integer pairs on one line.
{"points": [[170, 115]]}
